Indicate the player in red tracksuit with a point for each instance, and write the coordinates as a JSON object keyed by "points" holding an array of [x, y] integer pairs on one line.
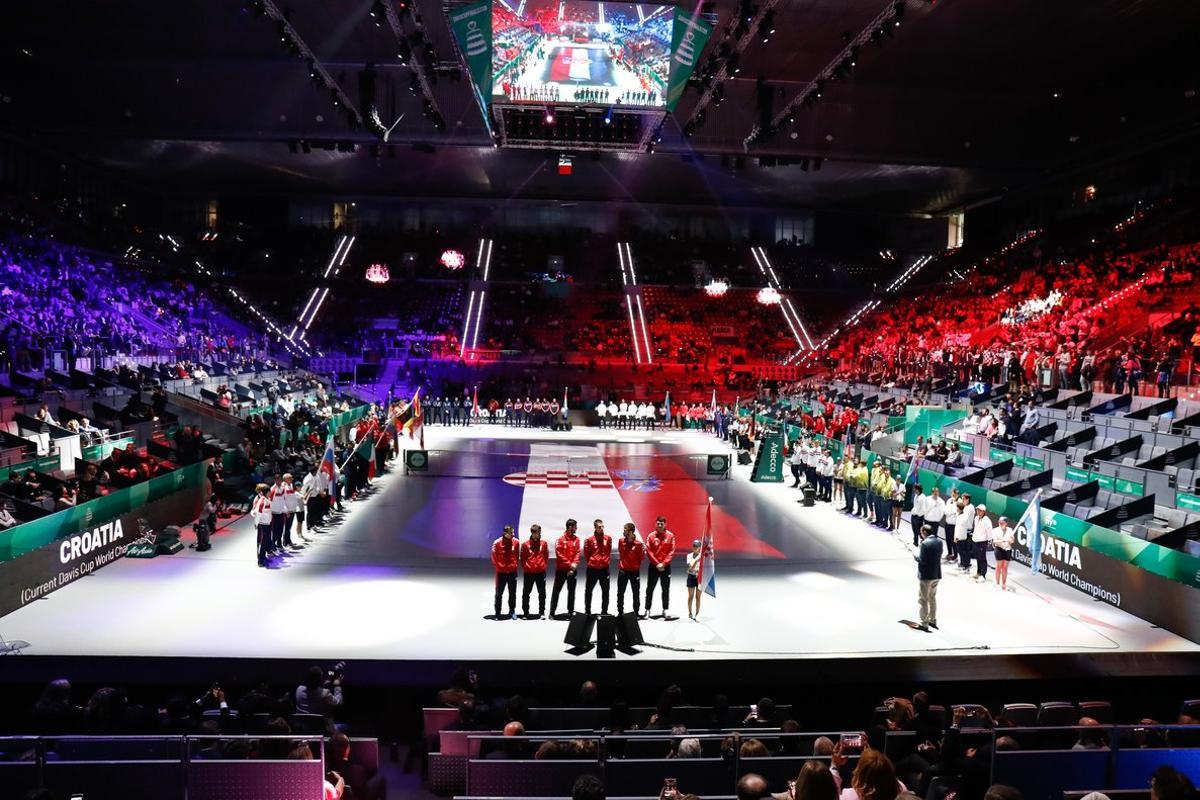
{"points": [[597, 552], [535, 555], [660, 548], [504, 558], [629, 568], [566, 564]]}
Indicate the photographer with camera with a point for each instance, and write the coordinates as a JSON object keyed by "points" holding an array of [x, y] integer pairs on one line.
{"points": [[321, 692]]}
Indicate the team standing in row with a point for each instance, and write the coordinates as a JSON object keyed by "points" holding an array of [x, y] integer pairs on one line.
{"points": [[532, 557]]}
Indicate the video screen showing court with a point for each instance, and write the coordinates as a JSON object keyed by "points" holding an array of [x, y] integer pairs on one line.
{"points": [[615, 54]]}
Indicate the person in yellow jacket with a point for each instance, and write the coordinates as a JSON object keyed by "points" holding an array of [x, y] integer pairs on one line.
{"points": [[883, 486]]}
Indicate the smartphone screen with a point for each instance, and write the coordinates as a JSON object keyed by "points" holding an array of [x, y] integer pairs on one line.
{"points": [[852, 744]]}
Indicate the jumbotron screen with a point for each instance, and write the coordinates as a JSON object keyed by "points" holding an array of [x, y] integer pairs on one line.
{"points": [[581, 52]]}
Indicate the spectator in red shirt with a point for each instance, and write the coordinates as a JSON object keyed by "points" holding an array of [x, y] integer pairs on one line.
{"points": [[597, 552], [660, 547], [504, 558], [629, 568], [535, 555], [566, 564]]}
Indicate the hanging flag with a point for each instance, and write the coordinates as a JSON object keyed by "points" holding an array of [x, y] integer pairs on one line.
{"points": [[1031, 521], [475, 403], [707, 578], [713, 405], [667, 409]]}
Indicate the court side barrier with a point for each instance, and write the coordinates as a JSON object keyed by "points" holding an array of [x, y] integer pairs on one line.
{"points": [[1120, 757], [608, 758], [1155, 583], [45, 554], [160, 767]]}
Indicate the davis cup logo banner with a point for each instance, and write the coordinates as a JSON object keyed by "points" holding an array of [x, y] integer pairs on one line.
{"points": [[688, 38], [472, 26]]}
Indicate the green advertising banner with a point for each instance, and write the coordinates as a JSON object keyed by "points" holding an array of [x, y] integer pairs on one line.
{"points": [[98, 452], [339, 421], [29, 536], [45, 464], [768, 464], [472, 27], [1162, 561], [928, 421], [1129, 487], [1031, 464], [1188, 502], [689, 35], [1078, 475], [999, 454]]}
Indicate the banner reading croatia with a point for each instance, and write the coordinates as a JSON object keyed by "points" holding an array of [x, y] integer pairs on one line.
{"points": [[688, 38]]}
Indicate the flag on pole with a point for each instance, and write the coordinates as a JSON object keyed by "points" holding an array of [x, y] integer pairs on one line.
{"points": [[327, 465], [414, 419], [912, 475], [707, 578], [475, 403], [1031, 521], [713, 405], [667, 409], [564, 406], [366, 448]]}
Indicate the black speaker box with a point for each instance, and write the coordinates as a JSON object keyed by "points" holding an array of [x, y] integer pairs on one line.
{"points": [[629, 632], [579, 631], [606, 636]]}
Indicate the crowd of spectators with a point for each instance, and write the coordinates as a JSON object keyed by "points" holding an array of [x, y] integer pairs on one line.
{"points": [[91, 305], [942, 752], [1019, 323]]}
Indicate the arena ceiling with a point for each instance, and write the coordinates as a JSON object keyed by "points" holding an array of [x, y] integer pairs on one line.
{"points": [[965, 99]]}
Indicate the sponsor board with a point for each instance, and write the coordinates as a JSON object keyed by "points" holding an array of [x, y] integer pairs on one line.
{"points": [[51, 559]]}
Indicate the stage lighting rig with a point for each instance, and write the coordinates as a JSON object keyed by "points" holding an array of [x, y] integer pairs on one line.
{"points": [[726, 62], [874, 31], [296, 45]]}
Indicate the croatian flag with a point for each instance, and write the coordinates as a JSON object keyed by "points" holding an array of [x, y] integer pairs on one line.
{"points": [[1031, 520], [327, 465], [707, 578], [577, 65]]}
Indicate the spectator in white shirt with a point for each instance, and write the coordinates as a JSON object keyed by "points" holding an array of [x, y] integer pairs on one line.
{"points": [[1003, 538], [980, 538], [949, 519], [917, 516], [935, 509], [963, 525]]}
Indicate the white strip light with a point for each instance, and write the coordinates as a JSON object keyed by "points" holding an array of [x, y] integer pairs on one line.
{"points": [[637, 351], [467, 325], [799, 333], [645, 334]]}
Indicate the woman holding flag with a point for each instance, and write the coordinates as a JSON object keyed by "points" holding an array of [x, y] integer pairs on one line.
{"points": [[693, 579]]}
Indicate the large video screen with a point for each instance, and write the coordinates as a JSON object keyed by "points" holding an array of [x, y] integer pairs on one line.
{"points": [[573, 51]]}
